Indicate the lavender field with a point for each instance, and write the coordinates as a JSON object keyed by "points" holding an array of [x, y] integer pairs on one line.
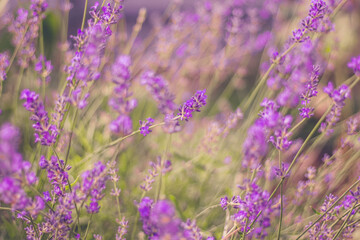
{"points": [[180, 120]]}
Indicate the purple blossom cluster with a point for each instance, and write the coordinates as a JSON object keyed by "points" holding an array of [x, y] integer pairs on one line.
{"points": [[93, 185], [85, 64], [247, 208], [121, 101], [354, 64], [15, 175], [338, 96], [56, 173], [44, 68], [271, 126], [25, 30], [311, 91], [325, 229], [156, 168], [158, 88], [192, 105], [145, 126], [45, 133], [4, 63], [316, 21], [160, 221]]}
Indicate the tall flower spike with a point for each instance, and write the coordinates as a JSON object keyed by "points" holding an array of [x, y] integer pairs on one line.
{"points": [[192, 105], [45, 133]]}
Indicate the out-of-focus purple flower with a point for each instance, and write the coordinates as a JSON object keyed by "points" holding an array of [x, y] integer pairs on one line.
{"points": [[192, 231], [92, 186], [4, 63], [224, 202], [159, 90], [77, 100], [122, 124], [171, 125], [192, 105], [43, 68], [145, 125], [47, 196], [354, 64], [15, 174], [156, 168], [160, 222], [45, 133], [122, 229], [338, 97]]}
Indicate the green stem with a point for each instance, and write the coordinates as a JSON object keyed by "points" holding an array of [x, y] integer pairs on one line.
{"points": [[84, 15], [42, 60], [17, 89], [88, 226]]}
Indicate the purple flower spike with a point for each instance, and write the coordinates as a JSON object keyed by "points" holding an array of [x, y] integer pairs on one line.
{"points": [[145, 125], [192, 105]]}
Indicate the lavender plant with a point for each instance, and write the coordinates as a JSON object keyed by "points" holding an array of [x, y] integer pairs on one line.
{"points": [[250, 109]]}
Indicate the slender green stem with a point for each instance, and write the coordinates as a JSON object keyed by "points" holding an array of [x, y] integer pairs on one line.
{"points": [[281, 200], [245, 229], [71, 135], [88, 226], [17, 89], [281, 210], [42, 60], [113, 143], [84, 15]]}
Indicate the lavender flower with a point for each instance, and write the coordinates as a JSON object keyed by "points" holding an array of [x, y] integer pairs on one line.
{"points": [[160, 222], [311, 91], [121, 101], [57, 175], [354, 64], [15, 174], [45, 133], [43, 68], [156, 168], [144, 126], [4, 63], [192, 105], [93, 184], [338, 97]]}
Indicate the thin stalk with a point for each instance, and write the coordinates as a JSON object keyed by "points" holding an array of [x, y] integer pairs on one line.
{"points": [[88, 226], [161, 180], [245, 229], [281, 201], [84, 15], [17, 89], [136, 29], [281, 210], [113, 143], [71, 135]]}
